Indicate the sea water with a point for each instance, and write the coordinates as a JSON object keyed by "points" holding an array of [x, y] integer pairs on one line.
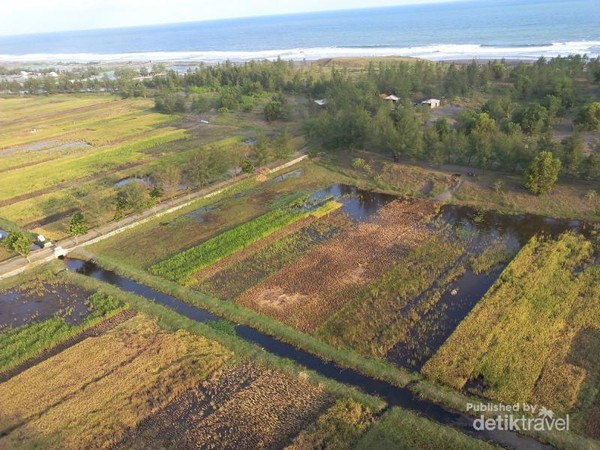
{"points": [[468, 29]]}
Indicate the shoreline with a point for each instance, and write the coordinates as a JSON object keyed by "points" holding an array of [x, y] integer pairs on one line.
{"points": [[183, 66], [455, 53]]}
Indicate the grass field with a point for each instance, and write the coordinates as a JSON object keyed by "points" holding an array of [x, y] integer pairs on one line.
{"points": [[531, 339], [169, 235], [338, 428], [89, 394], [399, 429], [66, 152]]}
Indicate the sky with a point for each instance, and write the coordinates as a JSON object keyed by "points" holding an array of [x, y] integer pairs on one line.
{"points": [[41, 16]]}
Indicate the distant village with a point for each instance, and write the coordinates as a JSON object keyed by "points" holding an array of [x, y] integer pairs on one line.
{"points": [[75, 78]]}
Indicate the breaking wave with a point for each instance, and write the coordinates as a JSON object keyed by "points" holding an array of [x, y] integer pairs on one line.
{"points": [[430, 52]]}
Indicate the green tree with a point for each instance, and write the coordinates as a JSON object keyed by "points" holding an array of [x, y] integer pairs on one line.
{"points": [[534, 118], [77, 226], [573, 153], [229, 98], [409, 140], [261, 149], [589, 117], [196, 169], [592, 167], [273, 110], [131, 197], [542, 173], [442, 128], [155, 195], [282, 145], [169, 179], [19, 242]]}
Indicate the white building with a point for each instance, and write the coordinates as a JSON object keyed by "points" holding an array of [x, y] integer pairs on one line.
{"points": [[432, 103]]}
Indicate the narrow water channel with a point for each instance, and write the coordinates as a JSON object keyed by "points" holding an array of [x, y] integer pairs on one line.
{"points": [[393, 395]]}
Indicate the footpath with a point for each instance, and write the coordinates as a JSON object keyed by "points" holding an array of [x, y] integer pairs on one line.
{"points": [[17, 264]]}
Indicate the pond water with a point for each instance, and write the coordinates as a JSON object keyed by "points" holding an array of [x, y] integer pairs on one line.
{"points": [[22, 306], [393, 395], [286, 176], [516, 229], [439, 322], [357, 203], [129, 180], [199, 215]]}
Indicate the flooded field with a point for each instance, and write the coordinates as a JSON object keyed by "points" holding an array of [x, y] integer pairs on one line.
{"points": [[357, 203], [20, 306], [386, 277], [130, 180]]}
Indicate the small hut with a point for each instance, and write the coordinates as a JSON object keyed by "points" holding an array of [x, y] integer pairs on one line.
{"points": [[431, 102]]}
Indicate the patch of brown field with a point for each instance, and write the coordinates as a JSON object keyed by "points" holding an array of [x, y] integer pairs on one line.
{"points": [[246, 407], [88, 395], [307, 292], [277, 298]]}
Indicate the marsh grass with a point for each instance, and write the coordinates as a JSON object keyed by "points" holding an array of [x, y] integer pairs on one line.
{"points": [[338, 428]]}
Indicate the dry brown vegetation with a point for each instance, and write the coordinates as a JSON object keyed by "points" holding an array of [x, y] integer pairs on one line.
{"points": [[246, 407], [307, 292], [390, 310], [88, 395]]}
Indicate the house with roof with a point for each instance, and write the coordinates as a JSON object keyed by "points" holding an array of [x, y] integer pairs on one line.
{"points": [[431, 102]]}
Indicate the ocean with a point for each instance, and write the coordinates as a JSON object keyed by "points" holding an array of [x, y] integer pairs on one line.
{"points": [[445, 31]]}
